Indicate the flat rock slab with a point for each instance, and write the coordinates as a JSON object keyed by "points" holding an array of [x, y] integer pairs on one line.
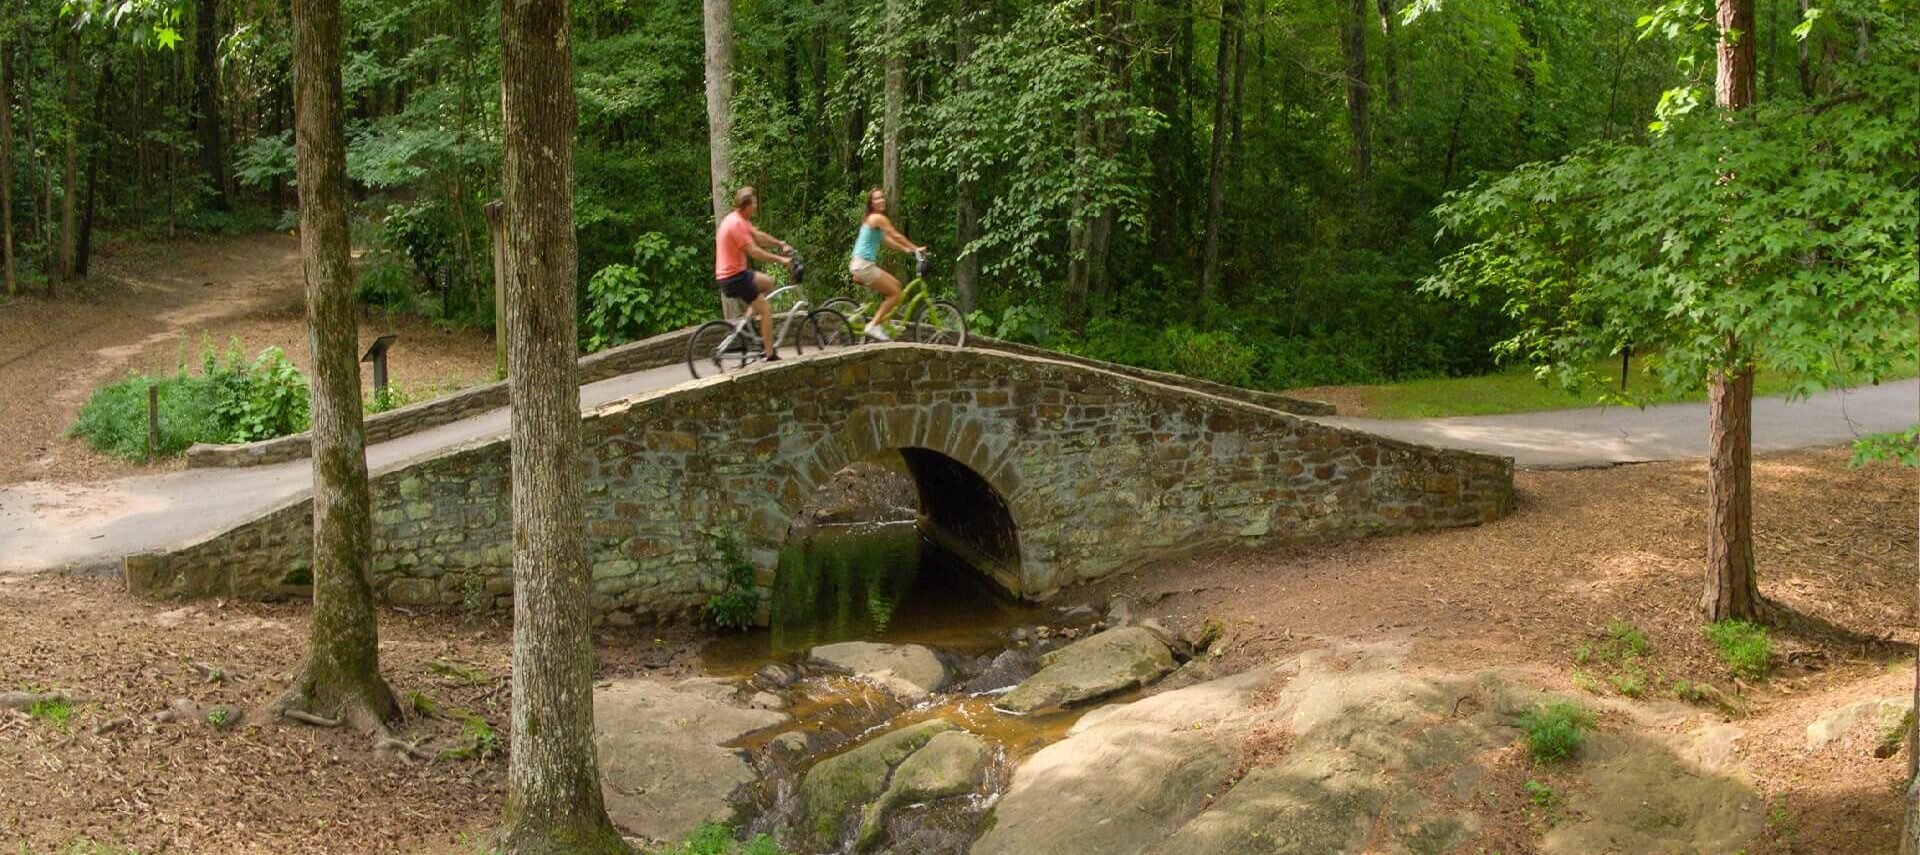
{"points": [[1092, 668], [908, 672], [663, 764], [839, 786], [1881, 714]]}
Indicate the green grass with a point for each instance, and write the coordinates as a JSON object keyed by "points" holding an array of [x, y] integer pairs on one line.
{"points": [[1516, 391], [1743, 646], [1555, 731], [712, 838], [54, 711]]}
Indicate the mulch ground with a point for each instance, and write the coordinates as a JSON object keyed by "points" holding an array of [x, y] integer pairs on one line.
{"points": [[1582, 549]]}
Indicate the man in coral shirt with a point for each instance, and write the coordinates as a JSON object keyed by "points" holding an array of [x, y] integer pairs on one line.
{"points": [[733, 243]]}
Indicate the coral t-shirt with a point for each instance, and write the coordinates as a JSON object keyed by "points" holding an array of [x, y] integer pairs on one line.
{"points": [[730, 245]]}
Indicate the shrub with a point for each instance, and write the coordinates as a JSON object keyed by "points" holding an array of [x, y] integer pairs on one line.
{"points": [[1627, 639], [228, 401], [1555, 731], [1214, 356], [660, 291], [1743, 646], [712, 838], [737, 605]]}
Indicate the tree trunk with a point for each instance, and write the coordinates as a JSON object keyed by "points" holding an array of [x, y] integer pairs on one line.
{"points": [[1390, 53], [1353, 42], [206, 98], [1114, 18], [70, 175], [554, 803], [966, 220], [341, 674], [1074, 295], [718, 16], [1165, 211], [83, 247], [892, 108], [1217, 181], [1910, 834], [6, 167], [1731, 591]]}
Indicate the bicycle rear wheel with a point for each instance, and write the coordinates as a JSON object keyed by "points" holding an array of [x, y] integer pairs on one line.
{"points": [[939, 322], [715, 348], [829, 329]]}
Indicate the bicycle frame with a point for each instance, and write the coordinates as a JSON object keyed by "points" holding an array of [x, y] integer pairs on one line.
{"points": [[746, 324]]}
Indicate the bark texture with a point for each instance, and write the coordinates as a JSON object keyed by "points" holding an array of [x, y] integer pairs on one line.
{"points": [[554, 802], [70, 174], [1353, 41], [206, 101], [1217, 181], [966, 210], [341, 676], [6, 168], [718, 22], [1731, 591]]}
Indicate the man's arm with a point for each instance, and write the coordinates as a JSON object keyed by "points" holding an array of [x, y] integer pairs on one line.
{"points": [[769, 241], [762, 255]]}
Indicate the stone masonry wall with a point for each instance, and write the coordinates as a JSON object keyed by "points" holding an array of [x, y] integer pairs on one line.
{"points": [[1098, 471]]}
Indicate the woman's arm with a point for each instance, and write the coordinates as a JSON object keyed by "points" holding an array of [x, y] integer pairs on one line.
{"points": [[893, 237]]}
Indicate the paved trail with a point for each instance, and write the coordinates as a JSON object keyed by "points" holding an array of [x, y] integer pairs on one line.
{"points": [[89, 527]]}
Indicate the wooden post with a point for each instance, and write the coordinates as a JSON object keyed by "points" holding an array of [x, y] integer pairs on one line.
{"points": [[497, 231], [153, 420]]}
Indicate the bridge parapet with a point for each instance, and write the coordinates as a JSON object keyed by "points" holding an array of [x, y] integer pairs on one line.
{"points": [[1093, 472]]}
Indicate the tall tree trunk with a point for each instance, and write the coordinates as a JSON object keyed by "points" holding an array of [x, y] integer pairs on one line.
{"points": [[1731, 591], [1910, 834], [1390, 53], [1353, 42], [718, 23], [1171, 140], [6, 166], [206, 98], [1217, 181], [1114, 18], [966, 219], [1074, 295], [341, 674], [83, 247], [718, 17], [70, 175], [894, 105], [554, 803]]}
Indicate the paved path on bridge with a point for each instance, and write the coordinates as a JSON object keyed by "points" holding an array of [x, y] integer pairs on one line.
{"points": [[89, 527]]}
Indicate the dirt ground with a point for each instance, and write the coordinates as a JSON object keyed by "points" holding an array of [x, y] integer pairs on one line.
{"points": [[146, 307], [1836, 548]]}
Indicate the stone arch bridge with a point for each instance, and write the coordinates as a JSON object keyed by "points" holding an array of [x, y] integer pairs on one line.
{"points": [[1045, 473]]}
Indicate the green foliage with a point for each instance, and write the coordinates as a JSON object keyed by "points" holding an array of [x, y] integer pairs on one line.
{"points": [[1212, 356], [1902, 448], [1743, 646], [1626, 639], [736, 606], [229, 401], [1781, 239], [392, 397], [54, 711], [712, 838], [1541, 795], [1555, 730], [661, 290], [264, 160]]}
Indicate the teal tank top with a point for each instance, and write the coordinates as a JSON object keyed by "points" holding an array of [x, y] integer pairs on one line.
{"points": [[867, 245]]}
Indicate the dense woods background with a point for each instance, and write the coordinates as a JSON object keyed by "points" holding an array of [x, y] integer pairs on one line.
{"points": [[1239, 189]]}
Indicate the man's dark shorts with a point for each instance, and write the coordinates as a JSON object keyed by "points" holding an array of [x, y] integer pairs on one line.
{"points": [[740, 286]]}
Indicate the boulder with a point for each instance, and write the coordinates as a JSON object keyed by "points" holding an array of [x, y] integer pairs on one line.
{"points": [[1877, 715], [837, 787], [1112, 661], [1004, 671], [909, 672], [1344, 750], [951, 764], [664, 764]]}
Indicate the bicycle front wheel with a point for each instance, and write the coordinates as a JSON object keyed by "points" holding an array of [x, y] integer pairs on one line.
{"points": [[716, 348], [939, 322], [828, 329]]}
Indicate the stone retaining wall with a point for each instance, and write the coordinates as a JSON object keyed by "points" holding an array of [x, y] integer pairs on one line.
{"points": [[663, 349], [1095, 471]]}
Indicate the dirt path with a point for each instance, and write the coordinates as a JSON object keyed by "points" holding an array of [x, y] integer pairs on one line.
{"points": [[150, 306]]}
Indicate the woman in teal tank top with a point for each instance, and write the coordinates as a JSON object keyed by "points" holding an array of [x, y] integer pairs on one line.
{"points": [[876, 229]]}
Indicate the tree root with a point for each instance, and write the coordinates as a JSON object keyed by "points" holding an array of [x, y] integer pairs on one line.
{"points": [[406, 751], [111, 725], [185, 711], [211, 673], [305, 717], [26, 701]]}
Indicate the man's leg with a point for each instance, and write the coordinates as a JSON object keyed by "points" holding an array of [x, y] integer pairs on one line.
{"points": [[760, 307]]}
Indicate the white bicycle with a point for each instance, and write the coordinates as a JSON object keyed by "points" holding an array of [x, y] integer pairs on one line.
{"points": [[724, 346]]}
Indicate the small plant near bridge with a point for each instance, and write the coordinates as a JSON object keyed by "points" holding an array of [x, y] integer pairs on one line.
{"points": [[736, 606], [1556, 730]]}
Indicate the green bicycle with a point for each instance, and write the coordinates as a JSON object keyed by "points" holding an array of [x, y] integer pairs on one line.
{"points": [[929, 320]]}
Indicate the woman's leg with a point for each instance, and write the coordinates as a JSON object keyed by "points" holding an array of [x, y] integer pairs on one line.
{"points": [[889, 289]]}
